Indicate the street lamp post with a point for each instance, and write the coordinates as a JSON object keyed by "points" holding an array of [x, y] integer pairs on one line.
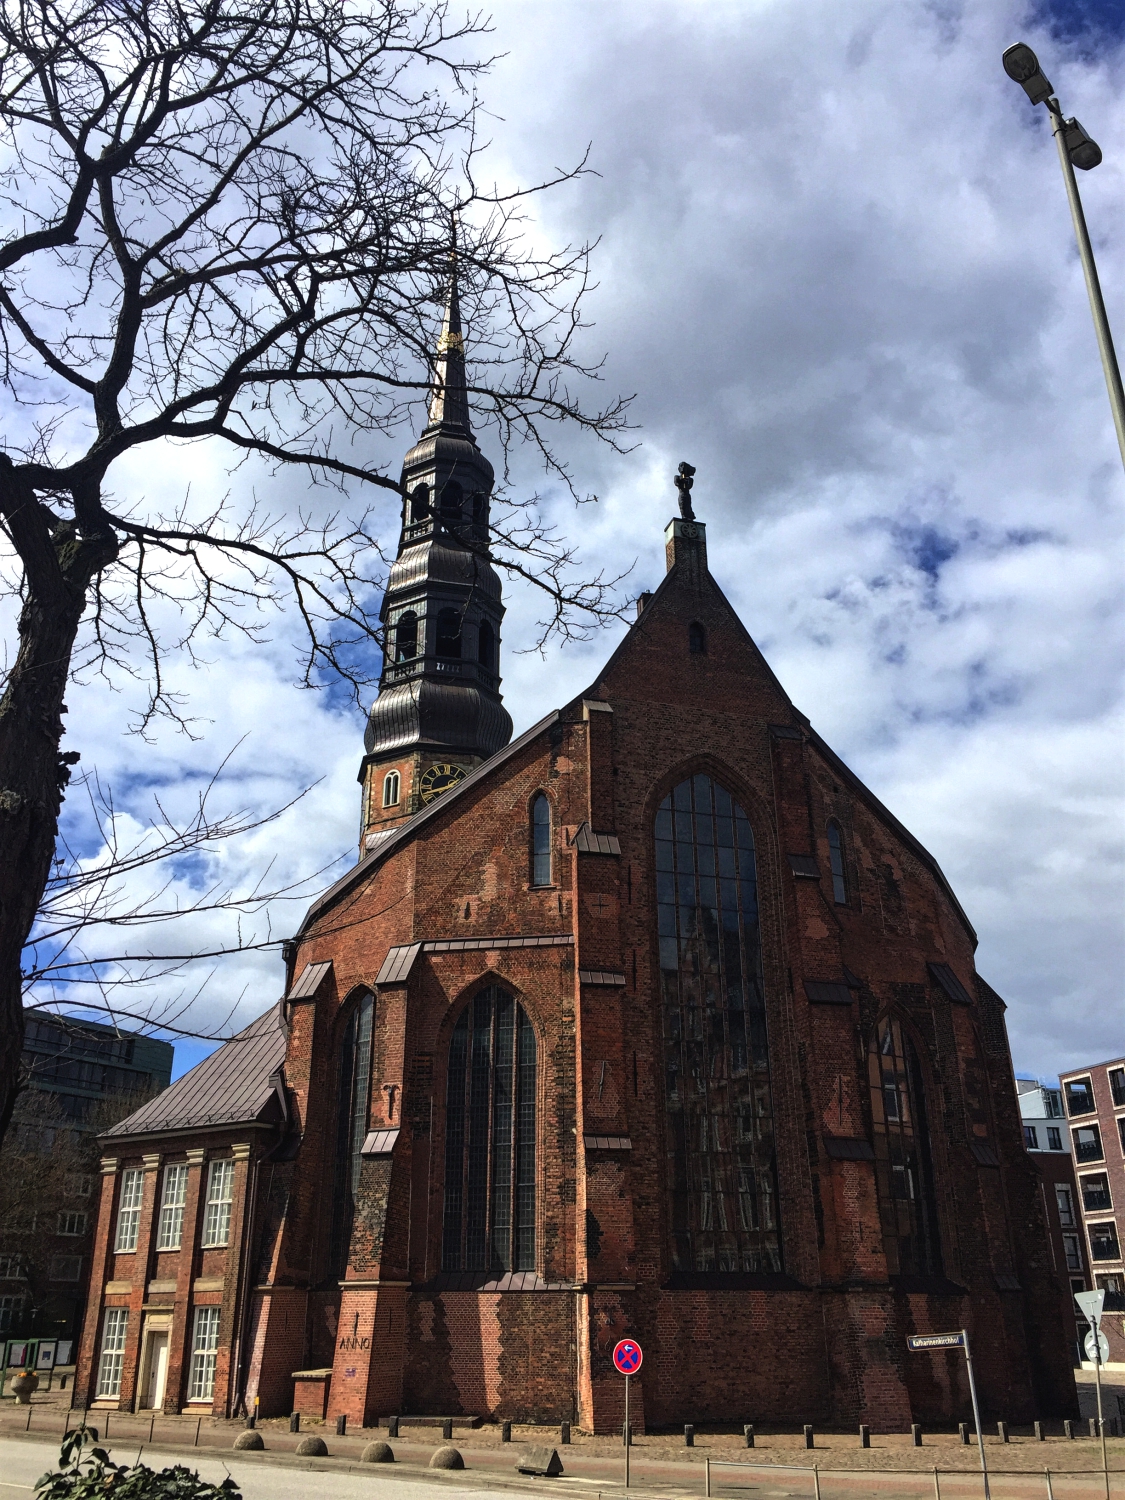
{"points": [[1076, 149]]}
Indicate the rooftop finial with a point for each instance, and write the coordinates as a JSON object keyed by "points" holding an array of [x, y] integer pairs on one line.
{"points": [[449, 403], [685, 478]]}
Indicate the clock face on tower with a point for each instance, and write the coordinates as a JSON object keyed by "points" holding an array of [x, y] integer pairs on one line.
{"points": [[439, 779]]}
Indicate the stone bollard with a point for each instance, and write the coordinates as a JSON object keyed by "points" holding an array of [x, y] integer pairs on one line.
{"points": [[963, 1433], [689, 1435], [249, 1441], [916, 1434], [864, 1435], [748, 1434], [505, 1432], [342, 1425], [312, 1447], [1002, 1431], [295, 1422], [1040, 1435], [251, 1421], [447, 1430], [808, 1435], [447, 1458], [1068, 1428], [378, 1453], [392, 1427], [564, 1432]]}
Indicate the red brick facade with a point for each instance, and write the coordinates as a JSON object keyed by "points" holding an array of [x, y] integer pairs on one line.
{"points": [[820, 1337]]}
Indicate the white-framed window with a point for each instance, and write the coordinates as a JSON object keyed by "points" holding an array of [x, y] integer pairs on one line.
{"points": [[204, 1351], [11, 1268], [113, 1352], [129, 1210], [172, 1208], [10, 1309], [66, 1268], [220, 1196], [71, 1223], [391, 789]]}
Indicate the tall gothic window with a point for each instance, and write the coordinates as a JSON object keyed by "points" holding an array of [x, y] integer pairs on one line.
{"points": [[836, 860], [353, 1084], [489, 1220], [722, 1176], [903, 1169], [540, 840]]}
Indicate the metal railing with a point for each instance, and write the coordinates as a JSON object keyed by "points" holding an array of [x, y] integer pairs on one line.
{"points": [[926, 1480]]}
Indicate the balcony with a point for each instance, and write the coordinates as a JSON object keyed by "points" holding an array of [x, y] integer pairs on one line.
{"points": [[1088, 1144], [1079, 1097], [1103, 1242]]}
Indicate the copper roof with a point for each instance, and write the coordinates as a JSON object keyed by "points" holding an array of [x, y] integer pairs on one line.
{"points": [[237, 1085]]}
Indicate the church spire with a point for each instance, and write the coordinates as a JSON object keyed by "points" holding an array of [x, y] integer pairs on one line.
{"points": [[439, 711]]}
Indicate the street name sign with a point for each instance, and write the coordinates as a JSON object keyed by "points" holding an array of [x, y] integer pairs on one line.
{"points": [[936, 1341]]}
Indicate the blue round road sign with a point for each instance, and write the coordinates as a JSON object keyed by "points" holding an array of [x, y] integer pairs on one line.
{"points": [[627, 1356]]}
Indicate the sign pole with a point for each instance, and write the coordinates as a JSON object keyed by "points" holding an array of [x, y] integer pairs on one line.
{"points": [[976, 1412], [628, 1434], [1098, 1380]]}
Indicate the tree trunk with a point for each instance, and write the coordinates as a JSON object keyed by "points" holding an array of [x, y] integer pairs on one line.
{"points": [[59, 564]]}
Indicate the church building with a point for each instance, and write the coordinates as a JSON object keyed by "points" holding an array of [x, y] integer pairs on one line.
{"points": [[652, 1022]]}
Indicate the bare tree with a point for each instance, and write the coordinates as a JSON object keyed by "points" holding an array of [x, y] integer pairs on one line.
{"points": [[231, 220]]}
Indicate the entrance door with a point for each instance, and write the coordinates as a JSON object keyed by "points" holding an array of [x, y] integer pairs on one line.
{"points": [[157, 1369]]}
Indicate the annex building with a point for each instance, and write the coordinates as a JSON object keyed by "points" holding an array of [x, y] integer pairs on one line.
{"points": [[651, 1022]]}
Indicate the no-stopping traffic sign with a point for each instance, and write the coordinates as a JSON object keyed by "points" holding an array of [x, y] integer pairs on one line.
{"points": [[627, 1356]]}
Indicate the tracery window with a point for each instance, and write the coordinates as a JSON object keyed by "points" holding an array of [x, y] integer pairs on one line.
{"points": [[391, 789], [722, 1177], [353, 1085], [836, 861], [489, 1218], [903, 1168], [540, 840], [449, 634]]}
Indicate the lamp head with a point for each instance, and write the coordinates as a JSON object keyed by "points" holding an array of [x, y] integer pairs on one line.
{"points": [[1022, 66], [1083, 152]]}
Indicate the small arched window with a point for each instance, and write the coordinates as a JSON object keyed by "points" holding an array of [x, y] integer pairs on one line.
{"points": [[836, 860], [419, 502], [353, 1085], [697, 639], [449, 634], [904, 1173], [391, 784], [486, 646], [489, 1218], [452, 499], [540, 840], [406, 636]]}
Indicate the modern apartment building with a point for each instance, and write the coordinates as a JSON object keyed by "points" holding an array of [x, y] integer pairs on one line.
{"points": [[1094, 1100], [1047, 1140]]}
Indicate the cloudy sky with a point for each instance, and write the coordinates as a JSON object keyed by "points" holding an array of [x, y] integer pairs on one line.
{"points": [[837, 269]]}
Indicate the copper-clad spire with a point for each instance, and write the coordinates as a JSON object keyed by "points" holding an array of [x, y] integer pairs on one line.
{"points": [[449, 404]]}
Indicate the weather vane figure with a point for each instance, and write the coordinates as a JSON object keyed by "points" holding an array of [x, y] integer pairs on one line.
{"points": [[685, 478]]}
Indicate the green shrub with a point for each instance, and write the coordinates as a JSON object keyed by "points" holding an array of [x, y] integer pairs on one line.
{"points": [[84, 1476]]}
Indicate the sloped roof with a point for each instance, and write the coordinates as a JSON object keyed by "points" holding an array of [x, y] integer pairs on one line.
{"points": [[234, 1086]]}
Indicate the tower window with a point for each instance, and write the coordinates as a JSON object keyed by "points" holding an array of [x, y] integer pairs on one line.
{"points": [[486, 646], [449, 634], [406, 637], [541, 840], [353, 1084], [480, 500], [391, 789], [419, 502], [489, 1217], [836, 861], [903, 1170], [697, 639], [719, 1142], [452, 499]]}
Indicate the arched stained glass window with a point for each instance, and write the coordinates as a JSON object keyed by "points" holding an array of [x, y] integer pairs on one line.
{"points": [[540, 840], [353, 1086], [722, 1176], [489, 1219], [836, 860], [903, 1168]]}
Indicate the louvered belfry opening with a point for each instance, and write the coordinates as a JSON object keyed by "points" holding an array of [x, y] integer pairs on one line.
{"points": [[489, 1219], [722, 1179]]}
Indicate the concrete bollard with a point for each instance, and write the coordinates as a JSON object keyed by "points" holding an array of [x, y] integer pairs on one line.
{"points": [[748, 1434], [864, 1435], [342, 1425], [1040, 1435], [251, 1421], [1094, 1427], [564, 1432], [447, 1430], [392, 1427], [808, 1435], [505, 1432], [916, 1434], [1002, 1431], [295, 1422], [1068, 1428], [689, 1435], [963, 1433]]}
